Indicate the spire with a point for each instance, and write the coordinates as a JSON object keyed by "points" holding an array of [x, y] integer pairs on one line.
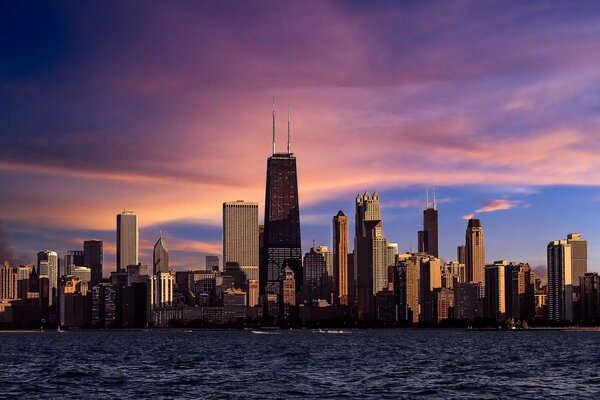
{"points": [[289, 142], [434, 202], [273, 125], [426, 199]]}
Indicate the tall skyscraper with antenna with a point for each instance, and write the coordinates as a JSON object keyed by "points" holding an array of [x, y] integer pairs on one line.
{"points": [[282, 244], [428, 237]]}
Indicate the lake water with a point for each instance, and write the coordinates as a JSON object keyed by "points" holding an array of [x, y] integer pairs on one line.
{"points": [[300, 364]]}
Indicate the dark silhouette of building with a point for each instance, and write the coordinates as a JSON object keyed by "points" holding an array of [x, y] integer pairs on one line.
{"points": [[92, 258], [589, 284], [282, 244], [428, 237]]}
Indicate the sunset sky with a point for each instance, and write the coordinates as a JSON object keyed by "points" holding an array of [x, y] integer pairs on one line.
{"points": [[164, 108]]}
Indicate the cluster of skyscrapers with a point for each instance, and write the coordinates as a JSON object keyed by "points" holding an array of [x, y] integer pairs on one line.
{"points": [[265, 278]]}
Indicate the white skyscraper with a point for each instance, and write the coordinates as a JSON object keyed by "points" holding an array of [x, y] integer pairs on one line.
{"points": [[127, 240], [48, 267]]}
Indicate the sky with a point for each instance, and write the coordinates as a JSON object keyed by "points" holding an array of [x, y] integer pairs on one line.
{"points": [[164, 108]]}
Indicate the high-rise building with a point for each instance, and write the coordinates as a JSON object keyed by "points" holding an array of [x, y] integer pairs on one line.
{"points": [[48, 267], [520, 291], [282, 244], [288, 287], [428, 237], [407, 287], [127, 240], [8, 282], [160, 256], [73, 258], [316, 278], [93, 258], [495, 291], [370, 253], [240, 233], [340, 259], [161, 290], [461, 254], [475, 252], [560, 281], [212, 263], [390, 254], [579, 256], [589, 284], [466, 301], [430, 282], [23, 273]]}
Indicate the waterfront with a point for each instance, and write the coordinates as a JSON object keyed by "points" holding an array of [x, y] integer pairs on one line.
{"points": [[300, 364]]}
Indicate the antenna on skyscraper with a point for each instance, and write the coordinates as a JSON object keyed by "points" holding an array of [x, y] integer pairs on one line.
{"points": [[434, 202], [273, 124], [289, 141], [426, 199]]}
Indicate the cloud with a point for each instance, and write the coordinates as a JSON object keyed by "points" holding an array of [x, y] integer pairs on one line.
{"points": [[468, 216], [498, 205]]}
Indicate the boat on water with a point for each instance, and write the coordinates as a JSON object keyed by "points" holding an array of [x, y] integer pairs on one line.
{"points": [[266, 332]]}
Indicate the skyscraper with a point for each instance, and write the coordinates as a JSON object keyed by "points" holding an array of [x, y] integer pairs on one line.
{"points": [[240, 233], [579, 257], [428, 237], [340, 259], [316, 278], [560, 281], [93, 258], [8, 282], [73, 258], [370, 252], [475, 252], [282, 244], [495, 290], [127, 240], [48, 267], [160, 256]]}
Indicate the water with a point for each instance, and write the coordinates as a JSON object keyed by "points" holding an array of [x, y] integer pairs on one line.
{"points": [[301, 364]]}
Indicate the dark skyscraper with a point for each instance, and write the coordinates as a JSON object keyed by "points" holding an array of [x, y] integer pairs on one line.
{"points": [[428, 237], [92, 258], [282, 245]]}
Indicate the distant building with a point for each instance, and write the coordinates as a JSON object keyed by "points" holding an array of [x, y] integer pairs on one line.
{"points": [[560, 281], [316, 279], [495, 291], [162, 284], [340, 259], [160, 256], [428, 237], [430, 282], [93, 259], [370, 254], [282, 241], [452, 273], [212, 263], [444, 298], [73, 258], [466, 300], [240, 233], [475, 252], [48, 267], [589, 284], [461, 254], [127, 240], [520, 292], [8, 282]]}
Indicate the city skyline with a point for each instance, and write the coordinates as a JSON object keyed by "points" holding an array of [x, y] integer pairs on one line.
{"points": [[450, 120]]}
